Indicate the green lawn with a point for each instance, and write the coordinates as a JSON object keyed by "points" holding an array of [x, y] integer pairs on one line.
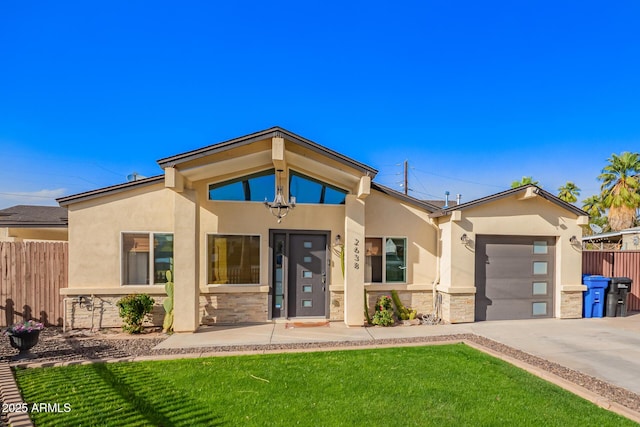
{"points": [[432, 385]]}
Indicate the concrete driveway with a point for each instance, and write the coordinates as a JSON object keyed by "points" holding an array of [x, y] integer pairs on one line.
{"points": [[606, 348]]}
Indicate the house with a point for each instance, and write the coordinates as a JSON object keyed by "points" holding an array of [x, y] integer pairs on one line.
{"points": [[325, 235], [623, 240], [28, 222]]}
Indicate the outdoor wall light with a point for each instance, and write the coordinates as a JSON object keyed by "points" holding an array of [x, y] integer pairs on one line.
{"points": [[279, 208], [465, 239], [573, 240], [338, 240]]}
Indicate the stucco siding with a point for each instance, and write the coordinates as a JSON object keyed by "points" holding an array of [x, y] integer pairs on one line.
{"points": [[252, 218], [509, 216], [95, 232], [389, 217]]}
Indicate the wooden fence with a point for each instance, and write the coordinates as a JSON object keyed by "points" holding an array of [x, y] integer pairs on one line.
{"points": [[31, 275], [616, 264]]}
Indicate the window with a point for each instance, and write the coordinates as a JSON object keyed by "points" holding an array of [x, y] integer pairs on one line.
{"points": [[252, 188], [142, 260], [539, 288], [385, 260], [540, 247], [540, 267], [308, 190], [233, 259], [539, 308]]}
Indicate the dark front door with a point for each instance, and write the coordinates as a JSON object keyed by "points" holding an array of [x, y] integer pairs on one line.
{"points": [[307, 276]]}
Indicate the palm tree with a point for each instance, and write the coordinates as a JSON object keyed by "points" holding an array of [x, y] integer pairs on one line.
{"points": [[526, 180], [569, 192], [621, 189], [593, 206]]}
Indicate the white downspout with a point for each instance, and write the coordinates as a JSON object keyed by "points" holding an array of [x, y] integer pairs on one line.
{"points": [[436, 280]]}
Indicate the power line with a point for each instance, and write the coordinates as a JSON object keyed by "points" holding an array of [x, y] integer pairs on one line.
{"points": [[425, 192]]}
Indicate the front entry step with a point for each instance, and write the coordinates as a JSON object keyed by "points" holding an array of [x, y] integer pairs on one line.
{"points": [[307, 323]]}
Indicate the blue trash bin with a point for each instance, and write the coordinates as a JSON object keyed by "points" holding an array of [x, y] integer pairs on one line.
{"points": [[595, 296]]}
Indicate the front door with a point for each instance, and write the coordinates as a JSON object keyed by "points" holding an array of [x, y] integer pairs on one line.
{"points": [[299, 274]]}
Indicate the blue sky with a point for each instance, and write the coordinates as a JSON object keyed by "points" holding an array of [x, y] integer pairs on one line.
{"points": [[473, 94]]}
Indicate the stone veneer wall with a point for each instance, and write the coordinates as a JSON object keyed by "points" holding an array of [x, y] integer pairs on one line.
{"points": [[458, 308], [422, 301], [104, 313], [571, 305], [223, 308], [336, 305], [249, 307]]}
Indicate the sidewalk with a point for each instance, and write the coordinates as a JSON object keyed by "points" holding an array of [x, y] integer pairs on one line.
{"points": [[281, 333]]}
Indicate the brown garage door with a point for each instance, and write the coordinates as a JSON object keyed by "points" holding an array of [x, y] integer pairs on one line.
{"points": [[514, 277]]}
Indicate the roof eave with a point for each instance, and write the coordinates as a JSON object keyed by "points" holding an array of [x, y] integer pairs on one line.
{"points": [[257, 136], [398, 195], [33, 225], [497, 196], [114, 189]]}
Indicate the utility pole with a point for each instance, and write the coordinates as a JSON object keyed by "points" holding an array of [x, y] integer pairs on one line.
{"points": [[406, 177]]}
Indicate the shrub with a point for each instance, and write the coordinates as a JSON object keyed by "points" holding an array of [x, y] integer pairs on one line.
{"points": [[384, 313], [133, 308]]}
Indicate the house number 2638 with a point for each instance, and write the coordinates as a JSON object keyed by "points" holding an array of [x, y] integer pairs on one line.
{"points": [[356, 254]]}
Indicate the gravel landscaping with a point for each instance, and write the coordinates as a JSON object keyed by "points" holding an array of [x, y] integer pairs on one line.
{"points": [[55, 346]]}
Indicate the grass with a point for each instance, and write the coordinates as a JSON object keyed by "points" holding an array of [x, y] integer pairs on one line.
{"points": [[434, 385]]}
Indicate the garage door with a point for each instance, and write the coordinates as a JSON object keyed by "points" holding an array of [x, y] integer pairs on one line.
{"points": [[514, 277]]}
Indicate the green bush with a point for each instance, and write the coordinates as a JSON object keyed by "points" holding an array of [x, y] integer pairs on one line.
{"points": [[384, 313], [133, 308]]}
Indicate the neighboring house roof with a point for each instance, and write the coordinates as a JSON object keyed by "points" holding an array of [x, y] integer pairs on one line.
{"points": [[257, 136], [536, 190], [611, 235], [81, 197], [29, 216], [398, 195]]}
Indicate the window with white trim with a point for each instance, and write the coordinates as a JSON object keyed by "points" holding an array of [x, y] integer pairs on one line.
{"points": [[233, 259], [385, 260], [146, 258]]}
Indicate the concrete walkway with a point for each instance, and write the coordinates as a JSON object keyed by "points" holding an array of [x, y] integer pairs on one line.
{"points": [[605, 348]]}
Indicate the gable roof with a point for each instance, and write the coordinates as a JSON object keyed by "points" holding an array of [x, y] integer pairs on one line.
{"points": [[398, 195], [492, 198], [23, 216], [275, 131], [88, 195]]}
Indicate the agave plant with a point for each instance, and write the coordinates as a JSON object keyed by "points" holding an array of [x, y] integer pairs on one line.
{"points": [[167, 324]]}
